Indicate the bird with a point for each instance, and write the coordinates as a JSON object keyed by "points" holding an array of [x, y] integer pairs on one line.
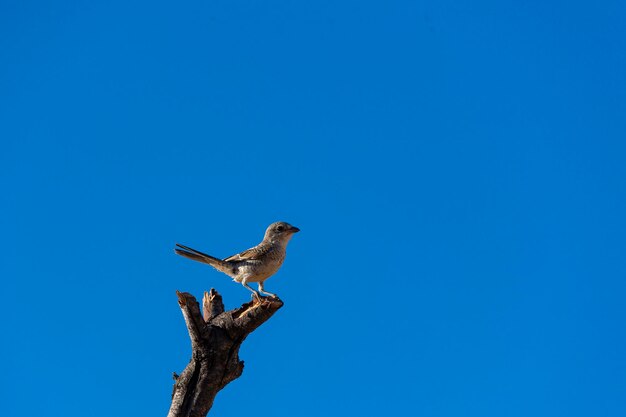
{"points": [[252, 265]]}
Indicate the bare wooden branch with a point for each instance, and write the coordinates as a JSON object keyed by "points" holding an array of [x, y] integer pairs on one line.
{"points": [[215, 341], [212, 304]]}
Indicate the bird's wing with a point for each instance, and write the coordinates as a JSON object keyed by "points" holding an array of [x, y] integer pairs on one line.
{"points": [[248, 254]]}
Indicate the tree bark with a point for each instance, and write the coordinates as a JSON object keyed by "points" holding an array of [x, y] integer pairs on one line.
{"points": [[215, 342]]}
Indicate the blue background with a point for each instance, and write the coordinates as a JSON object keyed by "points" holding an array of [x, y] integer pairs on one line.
{"points": [[457, 170]]}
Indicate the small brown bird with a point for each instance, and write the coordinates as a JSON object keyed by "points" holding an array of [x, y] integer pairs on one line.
{"points": [[255, 264]]}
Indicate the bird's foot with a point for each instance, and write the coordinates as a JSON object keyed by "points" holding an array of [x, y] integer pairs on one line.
{"points": [[269, 295]]}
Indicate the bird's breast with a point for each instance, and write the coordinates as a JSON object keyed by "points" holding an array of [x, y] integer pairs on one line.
{"points": [[262, 268]]}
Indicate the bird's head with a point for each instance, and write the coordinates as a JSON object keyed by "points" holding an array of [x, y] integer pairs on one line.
{"points": [[280, 231]]}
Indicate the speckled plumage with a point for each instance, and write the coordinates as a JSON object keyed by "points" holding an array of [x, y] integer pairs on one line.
{"points": [[252, 265]]}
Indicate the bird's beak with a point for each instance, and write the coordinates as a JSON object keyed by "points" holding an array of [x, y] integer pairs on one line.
{"points": [[294, 229]]}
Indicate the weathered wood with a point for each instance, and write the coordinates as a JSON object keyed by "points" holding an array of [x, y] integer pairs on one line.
{"points": [[215, 341], [212, 304]]}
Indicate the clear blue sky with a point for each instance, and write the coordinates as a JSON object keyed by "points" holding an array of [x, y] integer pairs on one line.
{"points": [[457, 169]]}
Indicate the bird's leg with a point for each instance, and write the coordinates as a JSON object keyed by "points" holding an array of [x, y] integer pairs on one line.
{"points": [[256, 294], [262, 290]]}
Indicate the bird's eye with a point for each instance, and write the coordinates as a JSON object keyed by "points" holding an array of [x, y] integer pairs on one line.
{"points": [[279, 229]]}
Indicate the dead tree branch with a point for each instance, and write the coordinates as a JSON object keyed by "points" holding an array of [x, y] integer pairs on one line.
{"points": [[216, 336]]}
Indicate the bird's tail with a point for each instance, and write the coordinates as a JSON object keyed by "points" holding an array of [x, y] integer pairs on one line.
{"points": [[195, 255]]}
